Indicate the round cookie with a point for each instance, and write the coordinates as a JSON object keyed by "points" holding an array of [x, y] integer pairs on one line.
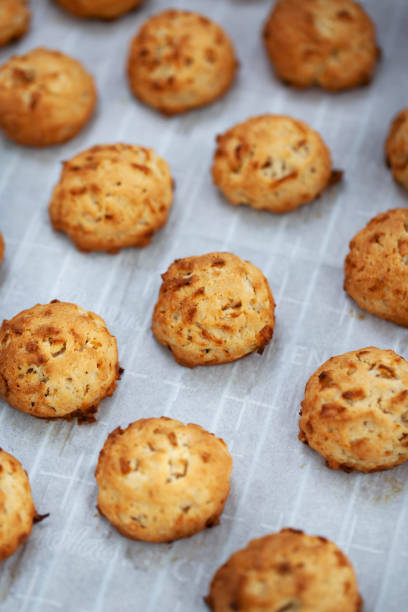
{"points": [[213, 309], [355, 410], [376, 267], [102, 9], [57, 361], [286, 571], [112, 196], [160, 480], [396, 148], [331, 43], [14, 20], [272, 162], [2, 248], [180, 60], [46, 97], [17, 510]]}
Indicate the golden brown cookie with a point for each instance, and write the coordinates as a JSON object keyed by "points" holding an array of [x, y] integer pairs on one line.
{"points": [[17, 510], [272, 162], [180, 60], [14, 20], [376, 267], [2, 248], [396, 148], [46, 97], [355, 410], [57, 361], [331, 43], [102, 9], [112, 196], [213, 309], [287, 571], [160, 480]]}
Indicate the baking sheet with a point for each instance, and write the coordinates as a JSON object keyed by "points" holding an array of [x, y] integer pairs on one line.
{"points": [[74, 560]]}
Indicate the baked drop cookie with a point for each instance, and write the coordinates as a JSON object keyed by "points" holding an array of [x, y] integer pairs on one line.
{"points": [[102, 9], [376, 267], [272, 162], [160, 480], [213, 309], [287, 571], [331, 43], [17, 510], [46, 97], [2, 248], [180, 60], [112, 196], [396, 148], [57, 361], [14, 20], [355, 410]]}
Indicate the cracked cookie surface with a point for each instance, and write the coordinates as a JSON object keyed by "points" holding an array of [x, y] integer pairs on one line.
{"points": [[46, 97], [287, 571], [57, 361], [160, 480], [180, 60], [331, 43], [112, 196], [272, 162], [17, 510], [213, 309], [376, 267], [355, 410]]}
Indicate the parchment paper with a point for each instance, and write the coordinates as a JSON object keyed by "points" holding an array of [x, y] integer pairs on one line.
{"points": [[75, 560]]}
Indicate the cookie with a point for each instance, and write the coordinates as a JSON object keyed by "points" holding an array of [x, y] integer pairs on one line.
{"points": [[160, 480], [284, 572], [57, 361], [180, 60], [213, 309], [112, 196], [102, 9], [355, 410], [2, 248], [46, 97], [396, 148], [272, 162], [376, 267], [330, 43], [17, 510], [14, 20]]}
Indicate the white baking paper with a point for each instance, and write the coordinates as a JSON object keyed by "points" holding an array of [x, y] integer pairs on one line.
{"points": [[75, 560]]}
